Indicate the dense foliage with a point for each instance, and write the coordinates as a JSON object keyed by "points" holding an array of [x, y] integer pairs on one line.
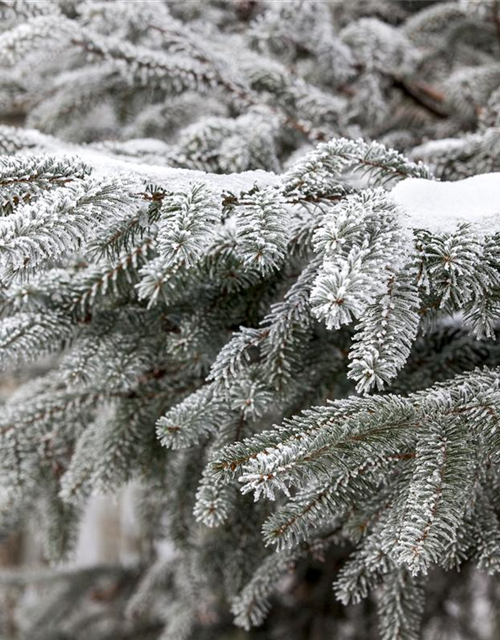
{"points": [[300, 383]]}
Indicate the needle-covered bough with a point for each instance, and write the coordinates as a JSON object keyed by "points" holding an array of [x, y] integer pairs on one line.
{"points": [[222, 300], [295, 336]]}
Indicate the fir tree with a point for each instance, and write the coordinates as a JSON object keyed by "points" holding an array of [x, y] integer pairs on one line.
{"points": [[242, 275]]}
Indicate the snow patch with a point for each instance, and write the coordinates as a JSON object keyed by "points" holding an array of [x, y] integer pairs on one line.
{"points": [[443, 145], [169, 177], [440, 206], [108, 164]]}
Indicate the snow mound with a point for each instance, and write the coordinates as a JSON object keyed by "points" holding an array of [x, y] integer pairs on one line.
{"points": [[108, 164], [172, 178], [440, 206]]}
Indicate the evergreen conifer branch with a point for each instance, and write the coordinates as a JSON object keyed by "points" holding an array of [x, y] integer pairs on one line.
{"points": [[286, 371]]}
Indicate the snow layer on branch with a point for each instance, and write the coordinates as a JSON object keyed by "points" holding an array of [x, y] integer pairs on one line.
{"points": [[440, 206], [170, 177], [105, 165]]}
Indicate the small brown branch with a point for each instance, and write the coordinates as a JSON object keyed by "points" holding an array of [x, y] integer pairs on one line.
{"points": [[496, 16], [424, 95]]}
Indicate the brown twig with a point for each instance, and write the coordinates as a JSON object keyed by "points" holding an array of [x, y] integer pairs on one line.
{"points": [[496, 16], [424, 95]]}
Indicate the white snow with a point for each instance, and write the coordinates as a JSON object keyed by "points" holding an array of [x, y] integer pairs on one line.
{"points": [[424, 204], [168, 177], [440, 206], [443, 145], [107, 164]]}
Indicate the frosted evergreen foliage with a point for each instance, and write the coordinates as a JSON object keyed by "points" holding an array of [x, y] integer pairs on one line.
{"points": [[246, 284]]}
